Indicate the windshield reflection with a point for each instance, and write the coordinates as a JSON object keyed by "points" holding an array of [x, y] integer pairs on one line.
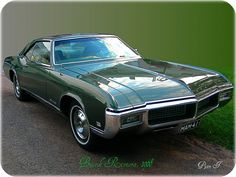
{"points": [[92, 48]]}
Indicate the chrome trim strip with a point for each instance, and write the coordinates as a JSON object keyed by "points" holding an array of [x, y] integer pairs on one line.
{"points": [[171, 99], [96, 130], [42, 64], [42, 99], [151, 102], [173, 103], [99, 59]]}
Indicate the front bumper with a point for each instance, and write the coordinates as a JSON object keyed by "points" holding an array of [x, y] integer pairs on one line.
{"points": [[113, 118]]}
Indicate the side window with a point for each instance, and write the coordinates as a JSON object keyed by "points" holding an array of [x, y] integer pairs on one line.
{"points": [[40, 53], [29, 53]]}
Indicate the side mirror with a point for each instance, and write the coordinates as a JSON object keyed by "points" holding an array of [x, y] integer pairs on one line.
{"points": [[23, 60]]}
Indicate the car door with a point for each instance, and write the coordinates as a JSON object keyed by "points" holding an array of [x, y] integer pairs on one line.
{"points": [[36, 68]]}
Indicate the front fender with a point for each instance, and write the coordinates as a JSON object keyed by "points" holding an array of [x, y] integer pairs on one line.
{"points": [[74, 96], [7, 66]]}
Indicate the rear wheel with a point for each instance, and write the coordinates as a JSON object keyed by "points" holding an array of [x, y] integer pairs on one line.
{"points": [[19, 93], [81, 128]]}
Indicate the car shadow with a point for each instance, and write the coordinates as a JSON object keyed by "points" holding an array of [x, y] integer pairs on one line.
{"points": [[129, 143]]}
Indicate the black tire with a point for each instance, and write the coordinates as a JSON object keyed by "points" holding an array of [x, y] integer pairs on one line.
{"points": [[19, 93], [81, 128]]}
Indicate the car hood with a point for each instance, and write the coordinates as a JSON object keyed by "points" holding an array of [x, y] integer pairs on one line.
{"points": [[129, 84], [136, 82], [199, 80]]}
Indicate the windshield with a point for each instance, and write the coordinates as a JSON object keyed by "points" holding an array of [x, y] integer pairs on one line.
{"points": [[82, 49]]}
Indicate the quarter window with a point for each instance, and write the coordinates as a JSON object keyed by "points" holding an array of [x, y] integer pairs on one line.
{"points": [[40, 53]]}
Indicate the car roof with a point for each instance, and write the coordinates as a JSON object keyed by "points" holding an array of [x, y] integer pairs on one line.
{"points": [[65, 36], [78, 35]]}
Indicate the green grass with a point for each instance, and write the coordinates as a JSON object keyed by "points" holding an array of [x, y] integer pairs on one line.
{"points": [[218, 127]]}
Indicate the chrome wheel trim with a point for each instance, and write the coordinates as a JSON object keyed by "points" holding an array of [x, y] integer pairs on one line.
{"points": [[16, 87], [79, 125]]}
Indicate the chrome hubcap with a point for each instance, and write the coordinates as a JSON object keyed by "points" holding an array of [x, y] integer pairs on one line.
{"points": [[17, 87], [80, 125]]}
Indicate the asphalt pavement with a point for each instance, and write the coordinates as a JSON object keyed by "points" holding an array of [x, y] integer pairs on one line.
{"points": [[36, 140]]}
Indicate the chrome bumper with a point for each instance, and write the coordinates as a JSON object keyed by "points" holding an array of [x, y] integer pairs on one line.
{"points": [[113, 123]]}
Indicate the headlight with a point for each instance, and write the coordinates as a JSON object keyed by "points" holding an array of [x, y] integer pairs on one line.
{"points": [[131, 120], [225, 95]]}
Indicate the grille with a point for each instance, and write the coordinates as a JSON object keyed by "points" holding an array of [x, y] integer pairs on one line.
{"points": [[171, 113], [207, 104]]}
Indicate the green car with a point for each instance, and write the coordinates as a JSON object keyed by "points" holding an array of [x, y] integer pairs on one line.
{"points": [[105, 87]]}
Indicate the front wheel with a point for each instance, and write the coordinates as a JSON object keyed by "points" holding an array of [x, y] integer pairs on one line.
{"points": [[19, 93], [81, 128]]}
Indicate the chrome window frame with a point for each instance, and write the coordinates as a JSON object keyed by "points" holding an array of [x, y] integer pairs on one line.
{"points": [[31, 46]]}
